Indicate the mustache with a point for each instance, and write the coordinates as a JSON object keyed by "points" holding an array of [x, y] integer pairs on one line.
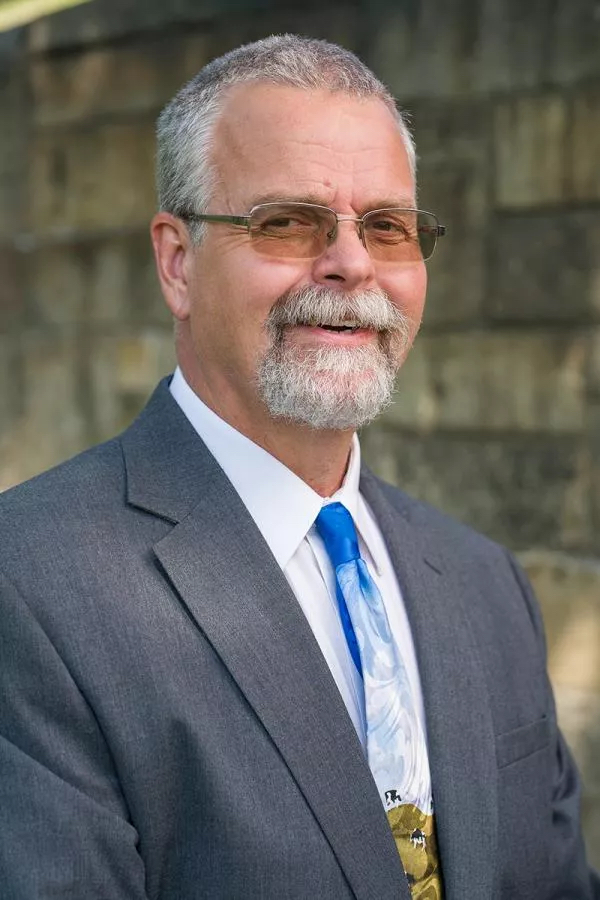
{"points": [[317, 305]]}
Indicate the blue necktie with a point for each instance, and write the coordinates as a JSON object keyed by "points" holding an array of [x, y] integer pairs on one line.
{"points": [[396, 746]]}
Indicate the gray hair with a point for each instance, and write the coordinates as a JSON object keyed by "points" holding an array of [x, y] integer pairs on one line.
{"points": [[184, 174]]}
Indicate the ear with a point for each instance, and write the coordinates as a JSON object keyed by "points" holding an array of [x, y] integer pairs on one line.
{"points": [[173, 251]]}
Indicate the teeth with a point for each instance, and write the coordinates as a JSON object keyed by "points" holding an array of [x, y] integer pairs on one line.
{"points": [[339, 329]]}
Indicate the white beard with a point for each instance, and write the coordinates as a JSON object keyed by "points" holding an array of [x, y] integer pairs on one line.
{"points": [[331, 387]]}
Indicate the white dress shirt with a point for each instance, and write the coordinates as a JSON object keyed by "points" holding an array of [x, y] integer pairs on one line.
{"points": [[284, 509]]}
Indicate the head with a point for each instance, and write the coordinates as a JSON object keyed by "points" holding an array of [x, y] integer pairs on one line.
{"points": [[286, 118]]}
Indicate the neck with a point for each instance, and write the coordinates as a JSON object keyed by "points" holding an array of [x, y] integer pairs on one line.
{"points": [[318, 457]]}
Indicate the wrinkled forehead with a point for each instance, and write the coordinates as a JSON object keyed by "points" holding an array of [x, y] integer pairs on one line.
{"points": [[274, 137]]}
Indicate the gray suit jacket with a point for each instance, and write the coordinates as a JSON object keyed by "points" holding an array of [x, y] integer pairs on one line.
{"points": [[170, 730]]}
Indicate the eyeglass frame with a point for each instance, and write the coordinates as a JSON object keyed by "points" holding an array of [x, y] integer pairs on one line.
{"points": [[244, 221]]}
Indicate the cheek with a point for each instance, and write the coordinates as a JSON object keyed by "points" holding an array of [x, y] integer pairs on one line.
{"points": [[407, 290], [228, 322]]}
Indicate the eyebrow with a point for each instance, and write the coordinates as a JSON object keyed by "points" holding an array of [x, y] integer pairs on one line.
{"points": [[387, 203], [288, 198]]}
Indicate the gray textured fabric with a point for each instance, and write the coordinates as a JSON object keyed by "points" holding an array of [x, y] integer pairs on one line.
{"points": [[169, 728]]}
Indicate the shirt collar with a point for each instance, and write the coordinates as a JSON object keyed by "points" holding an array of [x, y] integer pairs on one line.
{"points": [[282, 506]]}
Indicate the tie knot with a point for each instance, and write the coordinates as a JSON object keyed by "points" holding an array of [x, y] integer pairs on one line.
{"points": [[336, 528]]}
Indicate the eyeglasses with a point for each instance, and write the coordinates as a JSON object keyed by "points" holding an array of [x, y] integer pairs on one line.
{"points": [[305, 230]]}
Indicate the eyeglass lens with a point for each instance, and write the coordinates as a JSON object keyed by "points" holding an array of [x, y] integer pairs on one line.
{"points": [[304, 231]]}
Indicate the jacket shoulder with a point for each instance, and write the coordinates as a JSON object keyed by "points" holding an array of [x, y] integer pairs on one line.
{"points": [[53, 507], [459, 542], [66, 481]]}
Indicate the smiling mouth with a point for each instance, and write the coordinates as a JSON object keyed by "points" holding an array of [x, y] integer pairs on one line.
{"points": [[342, 328]]}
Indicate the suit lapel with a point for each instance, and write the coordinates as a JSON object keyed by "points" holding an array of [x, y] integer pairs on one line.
{"points": [[459, 726], [229, 581]]}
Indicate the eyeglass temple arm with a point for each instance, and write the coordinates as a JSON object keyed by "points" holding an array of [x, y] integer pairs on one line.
{"points": [[244, 221], [440, 230]]}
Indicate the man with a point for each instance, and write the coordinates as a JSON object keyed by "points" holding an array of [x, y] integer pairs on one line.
{"points": [[234, 663]]}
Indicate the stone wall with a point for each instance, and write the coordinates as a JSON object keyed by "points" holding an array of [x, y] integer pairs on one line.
{"points": [[497, 419]]}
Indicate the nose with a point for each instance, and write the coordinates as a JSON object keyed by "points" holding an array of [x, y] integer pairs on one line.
{"points": [[345, 259]]}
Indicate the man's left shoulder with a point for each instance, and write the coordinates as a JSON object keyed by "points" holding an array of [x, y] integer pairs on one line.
{"points": [[436, 527], [454, 547]]}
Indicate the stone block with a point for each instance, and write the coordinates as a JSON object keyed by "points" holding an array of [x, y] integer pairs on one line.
{"points": [[544, 267], [10, 385], [99, 281], [568, 589], [590, 818], [453, 145], [594, 369], [14, 122], [512, 50], [457, 269], [583, 172], [124, 369], [124, 286], [483, 47], [58, 282], [455, 130], [486, 381], [522, 491], [335, 21], [121, 80], [593, 420], [579, 717], [92, 179], [51, 425], [106, 20], [12, 305], [424, 49], [595, 286], [531, 135], [575, 40]]}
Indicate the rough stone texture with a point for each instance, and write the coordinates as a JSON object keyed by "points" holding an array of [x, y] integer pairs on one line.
{"points": [[437, 58], [573, 51], [10, 358], [114, 81], [531, 145], [12, 311], [594, 372], [497, 47], [569, 594], [523, 491], [498, 416], [493, 381], [112, 20], [515, 37], [454, 164], [335, 21], [594, 452], [107, 280], [584, 151], [545, 268], [51, 422], [13, 119], [122, 370], [92, 179]]}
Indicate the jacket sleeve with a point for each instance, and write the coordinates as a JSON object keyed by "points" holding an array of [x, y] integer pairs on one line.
{"points": [[572, 878], [64, 827]]}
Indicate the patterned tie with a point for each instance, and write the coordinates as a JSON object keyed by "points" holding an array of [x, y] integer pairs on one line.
{"points": [[396, 746]]}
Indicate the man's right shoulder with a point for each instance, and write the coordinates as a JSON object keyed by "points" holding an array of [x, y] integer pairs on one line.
{"points": [[68, 492]]}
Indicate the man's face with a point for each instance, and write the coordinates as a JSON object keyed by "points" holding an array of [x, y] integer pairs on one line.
{"points": [[280, 143]]}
